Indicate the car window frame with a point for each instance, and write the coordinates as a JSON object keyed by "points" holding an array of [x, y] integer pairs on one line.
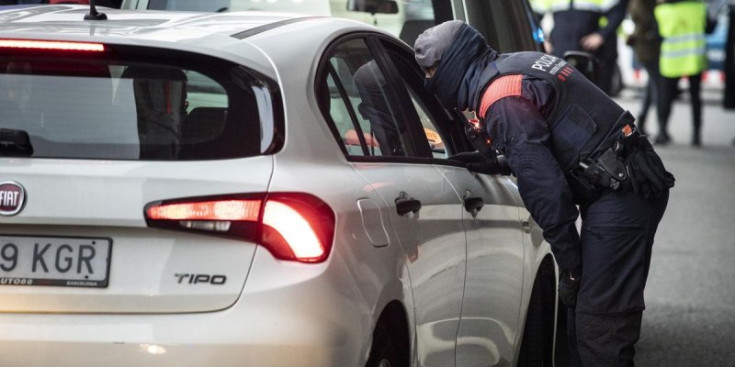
{"points": [[405, 104], [449, 125]]}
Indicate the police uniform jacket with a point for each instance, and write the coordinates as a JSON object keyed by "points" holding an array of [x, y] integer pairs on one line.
{"points": [[576, 19], [543, 115]]}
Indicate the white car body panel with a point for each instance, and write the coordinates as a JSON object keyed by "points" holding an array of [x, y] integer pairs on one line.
{"points": [[106, 199], [433, 239], [492, 253]]}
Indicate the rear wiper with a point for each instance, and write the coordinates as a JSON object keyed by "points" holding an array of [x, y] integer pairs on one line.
{"points": [[15, 143]]}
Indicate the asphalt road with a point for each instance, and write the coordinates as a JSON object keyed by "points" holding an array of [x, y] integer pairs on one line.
{"points": [[690, 297]]}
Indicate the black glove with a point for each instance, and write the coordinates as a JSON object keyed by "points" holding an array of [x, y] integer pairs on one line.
{"points": [[568, 288], [648, 176], [481, 163], [469, 157]]}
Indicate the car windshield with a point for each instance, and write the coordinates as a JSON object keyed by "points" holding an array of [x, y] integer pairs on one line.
{"points": [[112, 109]]}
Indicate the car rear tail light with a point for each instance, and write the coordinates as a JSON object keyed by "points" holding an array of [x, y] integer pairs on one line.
{"points": [[292, 226], [51, 45]]}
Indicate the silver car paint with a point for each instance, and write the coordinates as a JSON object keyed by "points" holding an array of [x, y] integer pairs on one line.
{"points": [[294, 314]]}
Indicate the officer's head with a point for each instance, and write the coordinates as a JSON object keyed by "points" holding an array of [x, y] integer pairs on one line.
{"points": [[433, 42], [449, 53]]}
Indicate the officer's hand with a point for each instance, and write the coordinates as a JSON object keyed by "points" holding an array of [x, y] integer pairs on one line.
{"points": [[568, 288], [548, 47], [469, 157], [481, 163], [592, 42], [476, 162]]}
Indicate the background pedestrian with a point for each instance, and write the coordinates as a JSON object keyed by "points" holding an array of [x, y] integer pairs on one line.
{"points": [[645, 42], [682, 25]]}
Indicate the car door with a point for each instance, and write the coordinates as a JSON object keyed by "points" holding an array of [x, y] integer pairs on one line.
{"points": [[495, 249], [387, 145]]}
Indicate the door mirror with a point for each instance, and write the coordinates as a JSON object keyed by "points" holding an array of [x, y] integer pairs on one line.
{"points": [[373, 6], [585, 62]]}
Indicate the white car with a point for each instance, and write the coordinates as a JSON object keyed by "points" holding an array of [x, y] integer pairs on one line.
{"points": [[249, 189]]}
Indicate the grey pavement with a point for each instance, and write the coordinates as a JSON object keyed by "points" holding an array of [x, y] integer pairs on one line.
{"points": [[690, 315]]}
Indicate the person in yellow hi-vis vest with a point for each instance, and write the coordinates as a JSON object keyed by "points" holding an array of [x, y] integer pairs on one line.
{"points": [[682, 26]]}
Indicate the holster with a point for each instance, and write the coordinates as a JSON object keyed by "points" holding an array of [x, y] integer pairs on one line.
{"points": [[629, 164], [608, 170]]}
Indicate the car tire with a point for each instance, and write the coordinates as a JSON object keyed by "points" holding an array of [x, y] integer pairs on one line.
{"points": [[383, 352], [538, 334]]}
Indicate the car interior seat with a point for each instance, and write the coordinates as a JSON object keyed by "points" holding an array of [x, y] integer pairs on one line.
{"points": [[160, 105]]}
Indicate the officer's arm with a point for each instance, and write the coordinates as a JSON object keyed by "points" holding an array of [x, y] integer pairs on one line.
{"points": [[614, 17], [521, 131]]}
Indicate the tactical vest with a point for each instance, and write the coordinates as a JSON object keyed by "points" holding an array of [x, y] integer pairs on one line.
{"points": [[684, 47], [584, 121]]}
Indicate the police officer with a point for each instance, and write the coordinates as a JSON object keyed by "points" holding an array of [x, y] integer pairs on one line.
{"points": [[568, 144], [586, 25]]}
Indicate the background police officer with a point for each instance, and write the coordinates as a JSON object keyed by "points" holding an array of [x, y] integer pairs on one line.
{"points": [[568, 144], [586, 25]]}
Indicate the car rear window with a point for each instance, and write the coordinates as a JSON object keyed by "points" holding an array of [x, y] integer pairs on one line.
{"points": [[97, 108]]}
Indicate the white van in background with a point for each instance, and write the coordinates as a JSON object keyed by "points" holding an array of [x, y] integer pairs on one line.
{"points": [[508, 26]]}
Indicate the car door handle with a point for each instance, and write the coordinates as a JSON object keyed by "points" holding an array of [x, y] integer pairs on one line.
{"points": [[526, 226], [405, 205], [473, 203]]}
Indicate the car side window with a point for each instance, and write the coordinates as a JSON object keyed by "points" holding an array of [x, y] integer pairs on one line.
{"points": [[362, 105], [442, 133], [433, 136]]}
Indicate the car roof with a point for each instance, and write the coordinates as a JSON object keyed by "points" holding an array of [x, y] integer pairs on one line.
{"points": [[141, 25], [241, 37], [150, 27]]}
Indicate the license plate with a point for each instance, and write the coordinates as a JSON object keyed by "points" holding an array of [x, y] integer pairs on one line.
{"points": [[54, 261]]}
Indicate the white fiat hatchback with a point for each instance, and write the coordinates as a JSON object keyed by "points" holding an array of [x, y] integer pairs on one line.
{"points": [[248, 189]]}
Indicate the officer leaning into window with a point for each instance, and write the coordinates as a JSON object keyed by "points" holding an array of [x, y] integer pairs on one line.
{"points": [[568, 144]]}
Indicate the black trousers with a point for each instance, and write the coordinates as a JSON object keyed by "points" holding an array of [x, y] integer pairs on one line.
{"points": [[667, 91], [650, 94], [617, 239], [607, 58]]}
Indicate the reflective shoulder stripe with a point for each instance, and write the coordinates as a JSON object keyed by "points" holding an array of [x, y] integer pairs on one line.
{"points": [[505, 86]]}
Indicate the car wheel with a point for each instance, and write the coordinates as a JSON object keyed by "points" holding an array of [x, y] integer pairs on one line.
{"points": [[538, 334], [383, 352]]}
